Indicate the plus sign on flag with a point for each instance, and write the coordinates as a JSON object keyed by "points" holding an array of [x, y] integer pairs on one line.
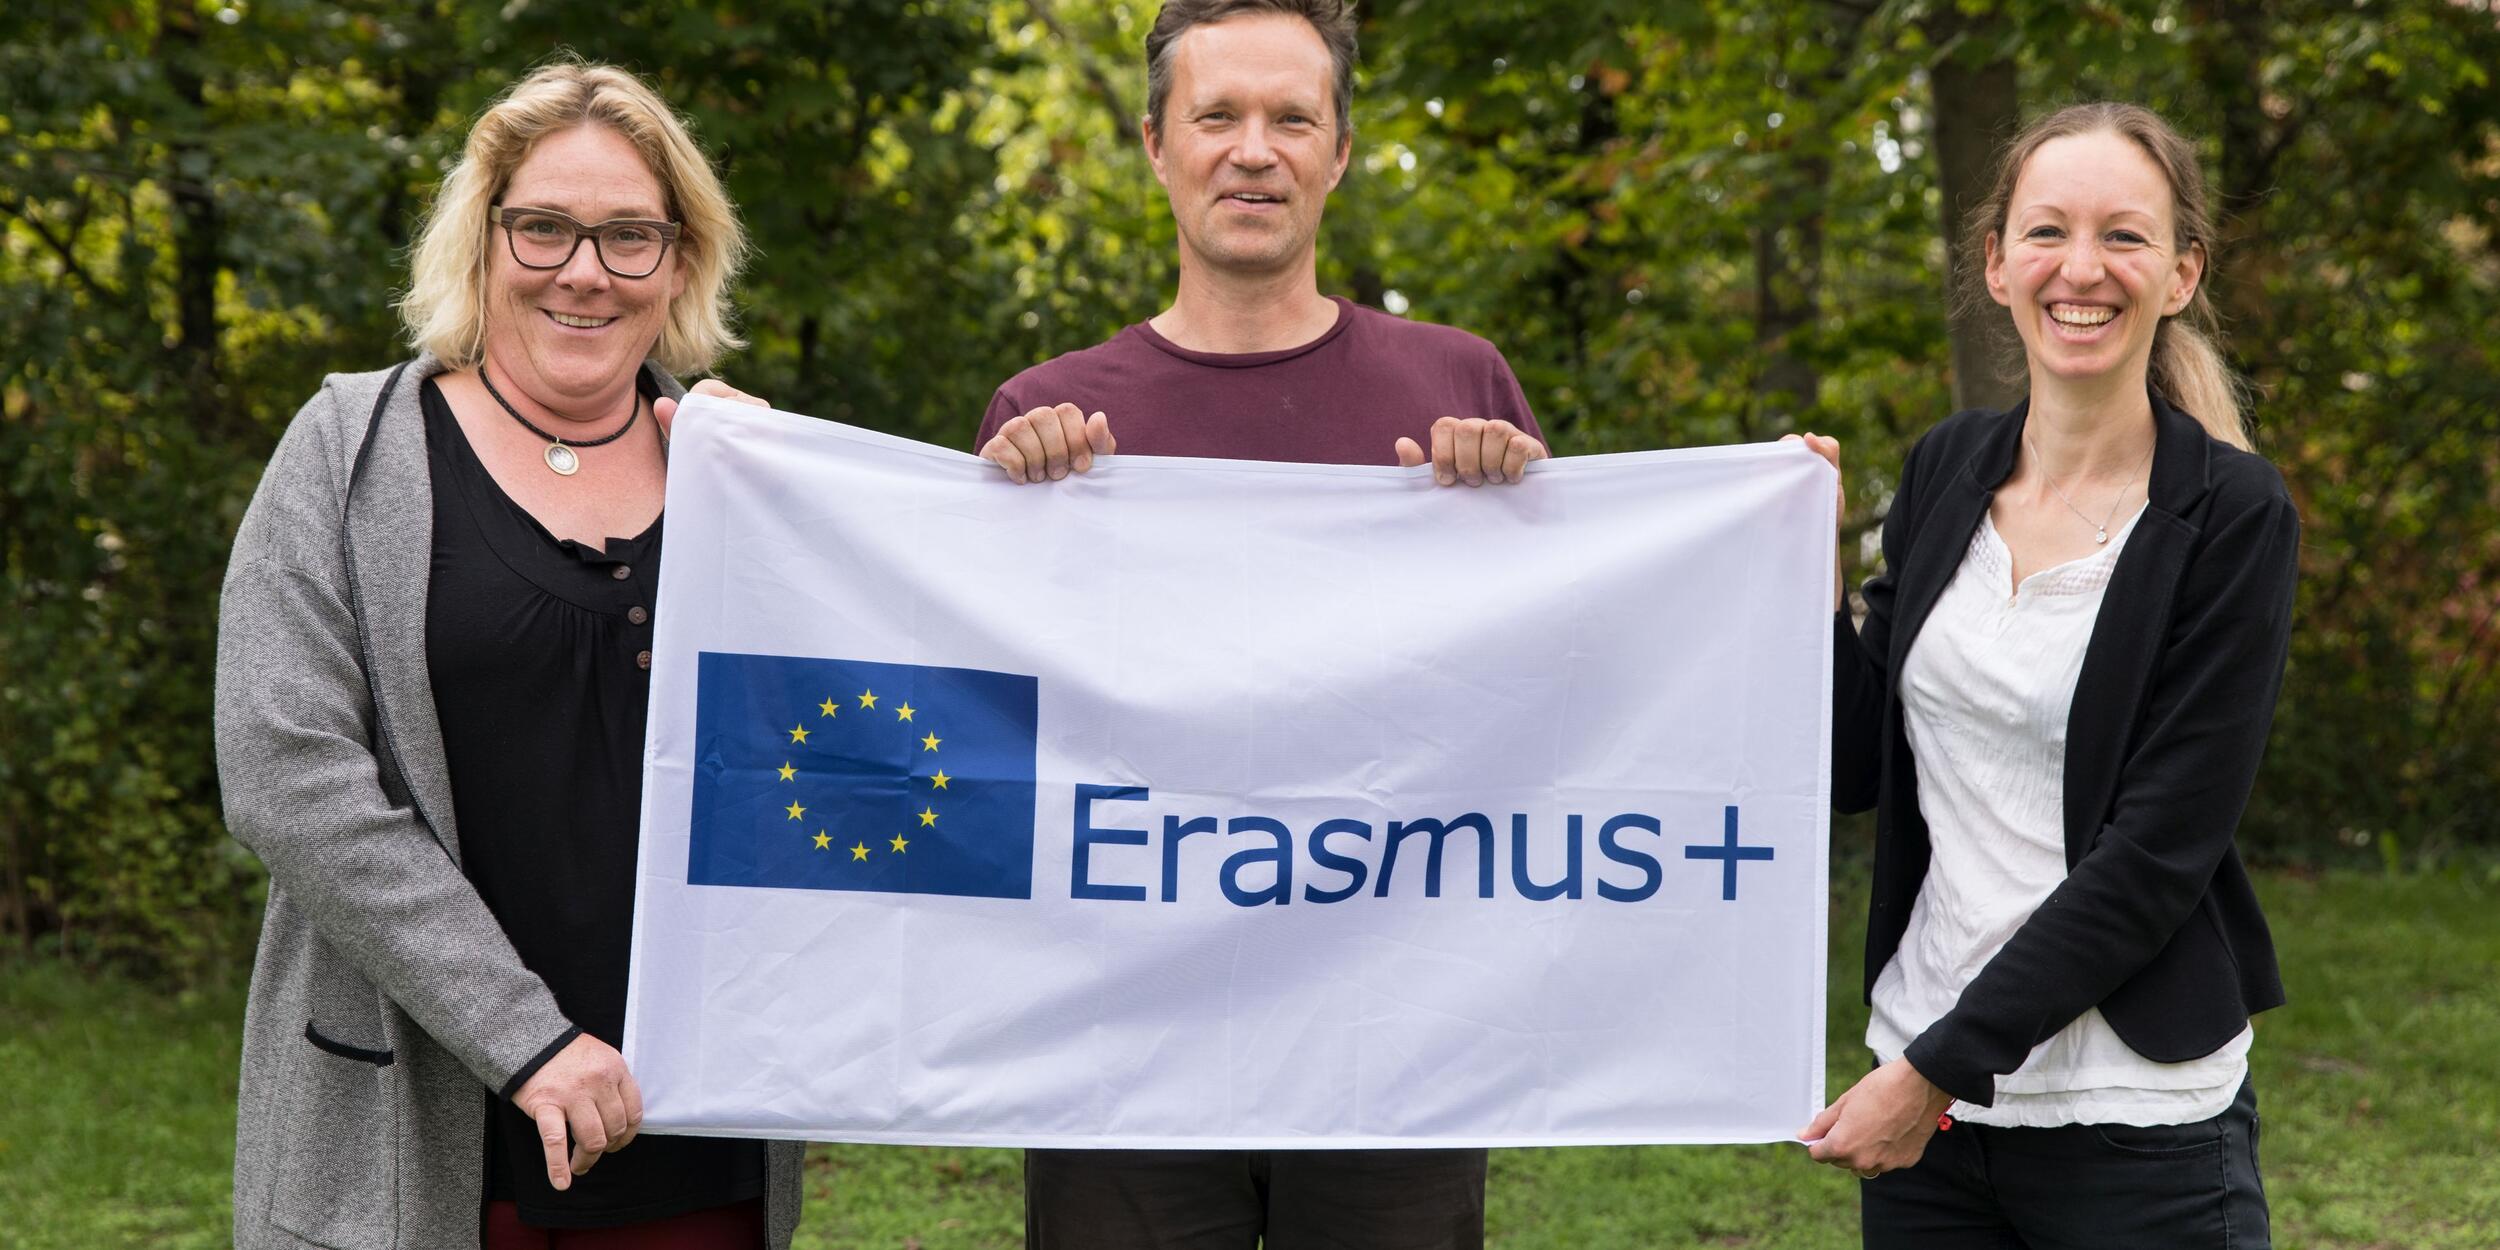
{"points": [[1729, 855]]}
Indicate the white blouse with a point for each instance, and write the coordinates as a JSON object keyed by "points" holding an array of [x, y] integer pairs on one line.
{"points": [[1984, 694]]}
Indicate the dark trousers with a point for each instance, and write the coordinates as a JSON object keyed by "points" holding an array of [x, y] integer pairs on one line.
{"points": [[2078, 1187], [1232, 1199]]}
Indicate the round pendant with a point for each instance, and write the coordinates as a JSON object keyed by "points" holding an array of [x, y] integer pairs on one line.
{"points": [[561, 459], [2098, 536]]}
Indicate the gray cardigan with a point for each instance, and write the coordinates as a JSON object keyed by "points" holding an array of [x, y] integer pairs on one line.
{"points": [[386, 1003]]}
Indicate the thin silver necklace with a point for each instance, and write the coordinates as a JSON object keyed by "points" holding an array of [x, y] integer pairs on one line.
{"points": [[560, 455], [2100, 529]]}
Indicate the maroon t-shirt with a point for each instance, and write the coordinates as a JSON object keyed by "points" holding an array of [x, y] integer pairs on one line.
{"points": [[1342, 398]]}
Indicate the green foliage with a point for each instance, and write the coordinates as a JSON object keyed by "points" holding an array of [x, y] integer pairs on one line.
{"points": [[1685, 224]]}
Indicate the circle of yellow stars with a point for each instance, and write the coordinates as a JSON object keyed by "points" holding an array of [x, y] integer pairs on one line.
{"points": [[928, 743]]}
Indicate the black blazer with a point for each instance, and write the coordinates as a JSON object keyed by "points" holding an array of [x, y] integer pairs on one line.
{"points": [[2156, 923]]}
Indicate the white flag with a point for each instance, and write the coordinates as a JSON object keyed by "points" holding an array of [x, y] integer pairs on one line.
{"points": [[1197, 803]]}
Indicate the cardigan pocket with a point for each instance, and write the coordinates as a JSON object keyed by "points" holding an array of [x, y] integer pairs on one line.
{"points": [[338, 1121], [378, 1058]]}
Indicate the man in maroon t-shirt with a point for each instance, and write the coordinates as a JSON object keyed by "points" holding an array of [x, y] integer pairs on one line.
{"points": [[1247, 126], [1368, 383], [1251, 362]]}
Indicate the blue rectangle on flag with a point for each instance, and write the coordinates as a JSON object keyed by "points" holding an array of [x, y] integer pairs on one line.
{"points": [[817, 774]]}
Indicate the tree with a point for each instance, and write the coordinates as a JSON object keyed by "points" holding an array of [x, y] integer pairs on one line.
{"points": [[1978, 106], [1685, 224]]}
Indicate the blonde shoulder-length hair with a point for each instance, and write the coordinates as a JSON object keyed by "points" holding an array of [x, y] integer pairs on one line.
{"points": [[445, 307]]}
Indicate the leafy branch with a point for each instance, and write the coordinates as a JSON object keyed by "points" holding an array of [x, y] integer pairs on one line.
{"points": [[60, 246]]}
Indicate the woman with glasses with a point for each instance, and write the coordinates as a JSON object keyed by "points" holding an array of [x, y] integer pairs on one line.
{"points": [[433, 665]]}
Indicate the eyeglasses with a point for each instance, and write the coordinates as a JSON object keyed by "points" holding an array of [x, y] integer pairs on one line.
{"points": [[542, 238]]}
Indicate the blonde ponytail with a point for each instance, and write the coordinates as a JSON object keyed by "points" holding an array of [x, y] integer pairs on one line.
{"points": [[2190, 372]]}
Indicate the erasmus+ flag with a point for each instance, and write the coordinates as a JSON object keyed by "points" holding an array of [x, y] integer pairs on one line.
{"points": [[1213, 804]]}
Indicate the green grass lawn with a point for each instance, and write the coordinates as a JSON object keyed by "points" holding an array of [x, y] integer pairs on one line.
{"points": [[2380, 1089]]}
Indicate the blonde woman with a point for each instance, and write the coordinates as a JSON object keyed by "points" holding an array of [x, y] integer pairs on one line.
{"points": [[432, 669], [2056, 706]]}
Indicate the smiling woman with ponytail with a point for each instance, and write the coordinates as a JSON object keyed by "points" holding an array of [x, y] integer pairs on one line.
{"points": [[2056, 705]]}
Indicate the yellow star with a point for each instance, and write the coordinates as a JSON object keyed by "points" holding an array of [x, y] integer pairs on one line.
{"points": [[798, 733], [795, 811], [928, 816], [867, 698], [828, 707], [860, 851], [788, 772], [940, 779], [903, 712], [823, 841], [929, 743], [898, 843]]}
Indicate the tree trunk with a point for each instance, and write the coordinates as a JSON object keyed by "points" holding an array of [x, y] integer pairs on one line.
{"points": [[197, 229], [16, 917], [1977, 108], [2226, 43], [1788, 238], [2227, 46], [810, 333], [1788, 296], [417, 80], [1579, 291]]}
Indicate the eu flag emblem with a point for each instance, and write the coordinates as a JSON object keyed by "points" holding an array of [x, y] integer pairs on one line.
{"points": [[845, 775]]}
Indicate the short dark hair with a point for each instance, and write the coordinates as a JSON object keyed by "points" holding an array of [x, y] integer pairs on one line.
{"points": [[1333, 19]]}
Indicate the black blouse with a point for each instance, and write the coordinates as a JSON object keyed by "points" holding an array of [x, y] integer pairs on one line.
{"points": [[540, 654]]}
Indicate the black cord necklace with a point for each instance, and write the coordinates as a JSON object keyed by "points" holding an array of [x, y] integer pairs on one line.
{"points": [[560, 455]]}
